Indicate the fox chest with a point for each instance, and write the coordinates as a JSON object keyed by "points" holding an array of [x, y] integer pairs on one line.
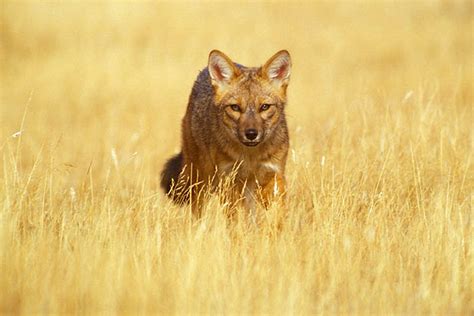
{"points": [[250, 172]]}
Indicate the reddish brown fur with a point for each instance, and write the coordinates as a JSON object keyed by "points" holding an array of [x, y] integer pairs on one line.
{"points": [[227, 102]]}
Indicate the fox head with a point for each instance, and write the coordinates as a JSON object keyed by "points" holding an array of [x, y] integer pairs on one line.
{"points": [[250, 101]]}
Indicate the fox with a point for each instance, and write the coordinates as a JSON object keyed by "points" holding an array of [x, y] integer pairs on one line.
{"points": [[234, 124]]}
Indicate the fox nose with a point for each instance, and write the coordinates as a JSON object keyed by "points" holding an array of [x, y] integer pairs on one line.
{"points": [[251, 133]]}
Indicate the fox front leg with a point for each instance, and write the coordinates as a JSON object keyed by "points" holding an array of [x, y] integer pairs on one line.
{"points": [[274, 190]]}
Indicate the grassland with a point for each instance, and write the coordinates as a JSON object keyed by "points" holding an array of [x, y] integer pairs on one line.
{"points": [[380, 173]]}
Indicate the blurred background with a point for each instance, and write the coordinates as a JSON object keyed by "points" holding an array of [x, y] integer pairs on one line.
{"points": [[99, 75]]}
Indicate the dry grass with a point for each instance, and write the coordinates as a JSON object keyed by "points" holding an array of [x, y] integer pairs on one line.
{"points": [[380, 173]]}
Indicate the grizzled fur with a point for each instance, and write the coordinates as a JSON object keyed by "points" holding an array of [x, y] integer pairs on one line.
{"points": [[227, 102]]}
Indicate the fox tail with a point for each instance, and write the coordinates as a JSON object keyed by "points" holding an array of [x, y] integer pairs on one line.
{"points": [[171, 172]]}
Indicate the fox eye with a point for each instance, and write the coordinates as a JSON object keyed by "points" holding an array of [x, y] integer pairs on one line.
{"points": [[235, 107], [265, 107]]}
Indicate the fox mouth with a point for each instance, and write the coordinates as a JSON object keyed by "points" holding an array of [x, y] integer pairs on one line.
{"points": [[250, 144]]}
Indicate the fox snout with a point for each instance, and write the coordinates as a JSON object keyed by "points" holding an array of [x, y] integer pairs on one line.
{"points": [[251, 128], [251, 137]]}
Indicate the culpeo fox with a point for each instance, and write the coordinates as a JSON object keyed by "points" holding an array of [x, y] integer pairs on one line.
{"points": [[234, 122]]}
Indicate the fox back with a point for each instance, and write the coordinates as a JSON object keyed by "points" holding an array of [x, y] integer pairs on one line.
{"points": [[235, 121]]}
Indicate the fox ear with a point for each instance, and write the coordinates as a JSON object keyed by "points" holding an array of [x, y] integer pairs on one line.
{"points": [[278, 68], [221, 68]]}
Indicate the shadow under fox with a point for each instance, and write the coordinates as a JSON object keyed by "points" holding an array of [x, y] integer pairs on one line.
{"points": [[234, 122]]}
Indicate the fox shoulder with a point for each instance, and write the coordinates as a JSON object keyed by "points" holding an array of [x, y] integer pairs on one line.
{"points": [[202, 89]]}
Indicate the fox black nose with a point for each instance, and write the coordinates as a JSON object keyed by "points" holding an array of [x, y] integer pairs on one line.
{"points": [[251, 133]]}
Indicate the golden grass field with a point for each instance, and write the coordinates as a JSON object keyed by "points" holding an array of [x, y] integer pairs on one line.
{"points": [[380, 173]]}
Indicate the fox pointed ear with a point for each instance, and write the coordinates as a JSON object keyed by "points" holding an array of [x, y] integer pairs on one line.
{"points": [[221, 68], [278, 69]]}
